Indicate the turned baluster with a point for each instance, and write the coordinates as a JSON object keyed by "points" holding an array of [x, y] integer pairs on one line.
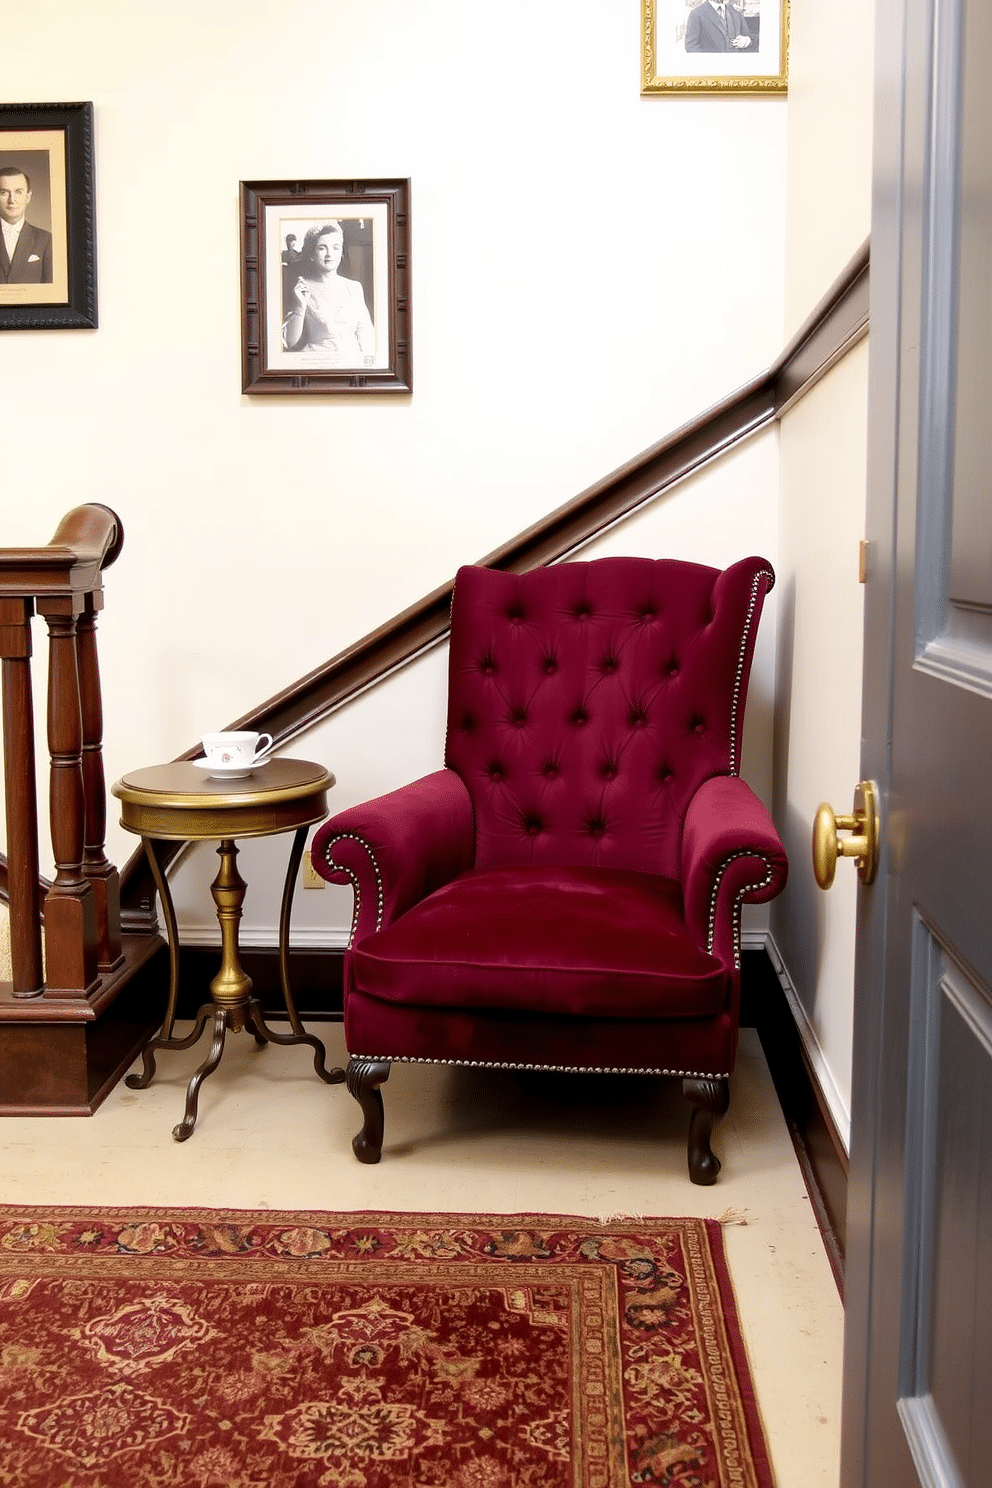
{"points": [[21, 799], [99, 872], [70, 913]]}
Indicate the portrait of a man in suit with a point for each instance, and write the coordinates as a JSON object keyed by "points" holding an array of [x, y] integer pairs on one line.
{"points": [[716, 26], [25, 250]]}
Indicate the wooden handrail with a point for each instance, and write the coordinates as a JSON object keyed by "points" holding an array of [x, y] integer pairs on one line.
{"points": [[63, 583], [837, 322]]}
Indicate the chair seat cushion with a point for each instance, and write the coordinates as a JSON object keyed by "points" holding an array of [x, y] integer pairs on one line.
{"points": [[571, 941]]}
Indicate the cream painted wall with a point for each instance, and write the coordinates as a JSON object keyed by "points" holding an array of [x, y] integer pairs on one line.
{"points": [[828, 204], [570, 249], [823, 483], [818, 726]]}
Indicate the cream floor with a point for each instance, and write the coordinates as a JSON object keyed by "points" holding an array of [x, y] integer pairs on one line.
{"points": [[271, 1136]]}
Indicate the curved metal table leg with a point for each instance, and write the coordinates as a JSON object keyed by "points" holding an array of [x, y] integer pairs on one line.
{"points": [[163, 1039], [172, 932], [139, 1082], [255, 1020], [299, 1034], [185, 1127]]}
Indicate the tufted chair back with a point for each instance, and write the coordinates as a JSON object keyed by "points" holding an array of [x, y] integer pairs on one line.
{"points": [[588, 701]]}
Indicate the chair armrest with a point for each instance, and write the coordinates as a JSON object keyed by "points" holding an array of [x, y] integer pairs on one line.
{"points": [[397, 849], [731, 854]]}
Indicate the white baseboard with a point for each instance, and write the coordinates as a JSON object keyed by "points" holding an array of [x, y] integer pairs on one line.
{"points": [[265, 937]]}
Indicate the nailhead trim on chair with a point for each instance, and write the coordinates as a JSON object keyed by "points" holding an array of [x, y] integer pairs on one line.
{"points": [[561, 1069], [745, 889], [343, 868], [764, 573]]}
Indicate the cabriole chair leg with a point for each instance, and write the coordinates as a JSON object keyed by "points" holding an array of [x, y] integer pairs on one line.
{"points": [[709, 1099], [364, 1076]]}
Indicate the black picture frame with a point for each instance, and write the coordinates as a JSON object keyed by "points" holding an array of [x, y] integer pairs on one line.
{"points": [[351, 329], [53, 142]]}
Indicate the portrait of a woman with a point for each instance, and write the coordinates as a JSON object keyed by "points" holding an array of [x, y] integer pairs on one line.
{"points": [[325, 311]]}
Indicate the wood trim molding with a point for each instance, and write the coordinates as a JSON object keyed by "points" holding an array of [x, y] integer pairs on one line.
{"points": [[819, 1149], [839, 321], [835, 325]]}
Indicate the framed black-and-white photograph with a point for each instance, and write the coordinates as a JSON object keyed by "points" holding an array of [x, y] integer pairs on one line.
{"points": [[325, 285], [714, 46], [47, 250]]}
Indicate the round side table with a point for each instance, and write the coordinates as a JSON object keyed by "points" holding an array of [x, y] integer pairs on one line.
{"points": [[181, 802]]}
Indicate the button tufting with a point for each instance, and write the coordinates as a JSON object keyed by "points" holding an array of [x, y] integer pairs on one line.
{"points": [[638, 717], [673, 669], [609, 771], [582, 613], [518, 718], [609, 663], [551, 770], [595, 826], [665, 774], [495, 772], [533, 826], [647, 615], [550, 666], [579, 717]]}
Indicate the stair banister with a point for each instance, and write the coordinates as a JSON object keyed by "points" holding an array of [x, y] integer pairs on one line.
{"points": [[63, 584]]}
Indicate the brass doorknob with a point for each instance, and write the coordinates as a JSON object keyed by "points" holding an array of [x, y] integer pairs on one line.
{"points": [[863, 822]]}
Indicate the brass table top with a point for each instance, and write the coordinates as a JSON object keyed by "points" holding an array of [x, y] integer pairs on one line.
{"points": [[181, 802]]}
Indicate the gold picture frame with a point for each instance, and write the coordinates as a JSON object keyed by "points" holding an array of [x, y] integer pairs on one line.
{"points": [[695, 46]]}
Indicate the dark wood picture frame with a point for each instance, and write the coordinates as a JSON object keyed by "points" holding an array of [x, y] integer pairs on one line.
{"points": [[53, 144], [306, 328]]}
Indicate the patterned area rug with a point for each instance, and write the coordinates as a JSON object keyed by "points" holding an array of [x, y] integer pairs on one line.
{"points": [[152, 1348]]}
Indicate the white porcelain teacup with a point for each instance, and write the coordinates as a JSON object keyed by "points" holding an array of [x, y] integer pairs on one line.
{"points": [[236, 749]]}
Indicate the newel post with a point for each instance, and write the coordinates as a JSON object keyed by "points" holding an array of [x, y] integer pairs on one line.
{"points": [[19, 791]]}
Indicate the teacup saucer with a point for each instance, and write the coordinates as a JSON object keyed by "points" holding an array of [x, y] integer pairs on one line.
{"points": [[226, 772]]}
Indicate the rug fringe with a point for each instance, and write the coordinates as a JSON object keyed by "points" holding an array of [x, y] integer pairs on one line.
{"points": [[733, 1217], [614, 1215]]}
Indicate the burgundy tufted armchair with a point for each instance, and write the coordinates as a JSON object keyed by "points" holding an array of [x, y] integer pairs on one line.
{"points": [[566, 893]]}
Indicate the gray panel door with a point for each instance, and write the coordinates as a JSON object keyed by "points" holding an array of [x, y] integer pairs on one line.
{"points": [[918, 1353]]}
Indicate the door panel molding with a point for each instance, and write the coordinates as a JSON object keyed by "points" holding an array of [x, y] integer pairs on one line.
{"points": [[948, 1168], [932, 1457]]}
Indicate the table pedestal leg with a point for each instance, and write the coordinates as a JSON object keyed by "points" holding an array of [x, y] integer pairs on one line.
{"points": [[232, 1005]]}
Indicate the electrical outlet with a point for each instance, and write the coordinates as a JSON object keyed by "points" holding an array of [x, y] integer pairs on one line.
{"points": [[311, 878]]}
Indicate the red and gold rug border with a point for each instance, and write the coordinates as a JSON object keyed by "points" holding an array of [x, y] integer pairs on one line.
{"points": [[176, 1236]]}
